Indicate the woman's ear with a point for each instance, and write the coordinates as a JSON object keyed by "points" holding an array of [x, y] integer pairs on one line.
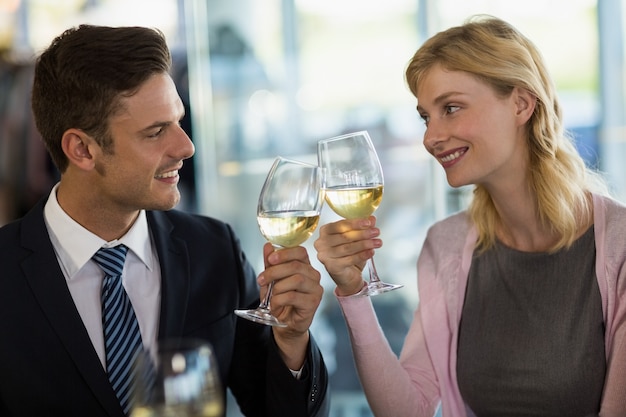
{"points": [[525, 103], [78, 147]]}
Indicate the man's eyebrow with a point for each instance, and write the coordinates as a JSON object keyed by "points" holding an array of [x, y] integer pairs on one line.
{"points": [[162, 124], [155, 125]]}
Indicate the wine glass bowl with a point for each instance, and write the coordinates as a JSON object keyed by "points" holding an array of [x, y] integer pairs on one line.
{"points": [[355, 203], [288, 213], [354, 187], [182, 380], [288, 229]]}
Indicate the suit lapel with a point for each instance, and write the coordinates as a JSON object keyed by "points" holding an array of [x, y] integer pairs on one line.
{"points": [[44, 275], [46, 280], [175, 286]]}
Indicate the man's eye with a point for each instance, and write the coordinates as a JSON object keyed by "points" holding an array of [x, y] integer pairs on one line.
{"points": [[156, 133]]}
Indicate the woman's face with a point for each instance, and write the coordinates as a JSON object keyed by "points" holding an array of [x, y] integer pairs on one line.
{"points": [[477, 136]]}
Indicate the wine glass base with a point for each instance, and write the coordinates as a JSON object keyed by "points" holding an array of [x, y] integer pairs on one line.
{"points": [[260, 315], [375, 288]]}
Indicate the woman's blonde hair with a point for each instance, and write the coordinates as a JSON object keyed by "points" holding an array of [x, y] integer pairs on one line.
{"points": [[498, 54]]}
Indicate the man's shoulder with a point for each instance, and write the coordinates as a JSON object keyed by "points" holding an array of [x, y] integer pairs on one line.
{"points": [[10, 236], [182, 222], [183, 217], [31, 226], [10, 228]]}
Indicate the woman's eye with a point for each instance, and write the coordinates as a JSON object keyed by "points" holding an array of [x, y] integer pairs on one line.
{"points": [[425, 118], [452, 109]]}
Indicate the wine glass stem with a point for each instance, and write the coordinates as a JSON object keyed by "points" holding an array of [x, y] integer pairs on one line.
{"points": [[372, 270], [265, 303]]}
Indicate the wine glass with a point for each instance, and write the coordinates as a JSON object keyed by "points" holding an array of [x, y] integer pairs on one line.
{"points": [[354, 187], [288, 213], [180, 380]]}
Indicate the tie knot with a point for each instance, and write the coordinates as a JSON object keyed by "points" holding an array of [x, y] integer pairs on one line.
{"points": [[111, 260]]}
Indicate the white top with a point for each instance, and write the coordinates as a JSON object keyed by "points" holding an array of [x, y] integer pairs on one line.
{"points": [[74, 246]]}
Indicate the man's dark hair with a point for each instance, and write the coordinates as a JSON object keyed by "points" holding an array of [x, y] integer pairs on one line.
{"points": [[85, 72]]}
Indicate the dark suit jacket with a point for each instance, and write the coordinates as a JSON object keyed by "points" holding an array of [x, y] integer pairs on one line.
{"points": [[49, 368]]}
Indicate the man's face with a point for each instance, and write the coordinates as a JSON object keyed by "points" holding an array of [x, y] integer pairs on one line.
{"points": [[149, 147]]}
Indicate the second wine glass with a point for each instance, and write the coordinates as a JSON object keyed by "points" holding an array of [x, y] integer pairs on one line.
{"points": [[354, 187], [288, 213], [181, 380]]}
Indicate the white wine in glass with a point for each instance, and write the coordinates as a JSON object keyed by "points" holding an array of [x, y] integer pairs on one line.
{"points": [[181, 380], [354, 187], [288, 213]]}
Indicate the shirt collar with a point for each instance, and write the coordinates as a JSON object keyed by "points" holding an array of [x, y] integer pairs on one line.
{"points": [[75, 245]]}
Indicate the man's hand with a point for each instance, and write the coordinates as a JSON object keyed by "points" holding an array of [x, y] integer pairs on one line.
{"points": [[296, 295]]}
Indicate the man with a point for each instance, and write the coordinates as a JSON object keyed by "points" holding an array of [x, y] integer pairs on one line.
{"points": [[109, 114]]}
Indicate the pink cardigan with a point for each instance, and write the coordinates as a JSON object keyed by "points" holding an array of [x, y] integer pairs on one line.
{"points": [[425, 374]]}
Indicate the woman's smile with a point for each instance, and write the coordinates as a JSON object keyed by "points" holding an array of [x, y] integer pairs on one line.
{"points": [[450, 158]]}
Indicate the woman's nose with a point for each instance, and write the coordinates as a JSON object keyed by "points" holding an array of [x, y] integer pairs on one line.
{"points": [[433, 135]]}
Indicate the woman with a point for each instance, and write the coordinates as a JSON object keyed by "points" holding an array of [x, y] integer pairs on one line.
{"points": [[522, 296]]}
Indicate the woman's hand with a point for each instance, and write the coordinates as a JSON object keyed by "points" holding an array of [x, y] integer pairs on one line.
{"points": [[344, 247]]}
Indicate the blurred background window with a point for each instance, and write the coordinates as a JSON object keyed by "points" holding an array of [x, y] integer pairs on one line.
{"points": [[262, 78]]}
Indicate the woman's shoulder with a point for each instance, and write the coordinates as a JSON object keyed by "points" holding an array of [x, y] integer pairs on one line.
{"points": [[609, 214], [456, 224], [608, 203], [610, 229], [450, 234]]}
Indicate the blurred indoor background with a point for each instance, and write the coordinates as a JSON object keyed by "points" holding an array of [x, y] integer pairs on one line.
{"points": [[262, 78]]}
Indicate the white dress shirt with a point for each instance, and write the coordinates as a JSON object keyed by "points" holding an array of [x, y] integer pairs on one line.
{"points": [[74, 246]]}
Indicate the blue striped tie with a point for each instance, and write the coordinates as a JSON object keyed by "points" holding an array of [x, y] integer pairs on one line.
{"points": [[122, 338]]}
